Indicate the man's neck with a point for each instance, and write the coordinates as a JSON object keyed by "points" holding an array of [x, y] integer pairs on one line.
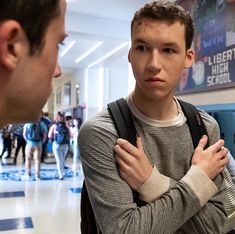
{"points": [[158, 109]]}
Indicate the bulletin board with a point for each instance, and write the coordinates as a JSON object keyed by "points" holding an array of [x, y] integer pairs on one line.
{"points": [[214, 45]]}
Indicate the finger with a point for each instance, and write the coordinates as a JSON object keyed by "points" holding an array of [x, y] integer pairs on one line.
{"points": [[217, 146], [225, 159], [121, 141], [122, 155], [220, 157], [120, 162], [223, 152], [127, 146], [139, 144], [221, 163], [123, 167], [202, 143]]}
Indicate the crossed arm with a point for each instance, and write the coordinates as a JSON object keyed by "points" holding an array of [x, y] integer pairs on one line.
{"points": [[135, 168]]}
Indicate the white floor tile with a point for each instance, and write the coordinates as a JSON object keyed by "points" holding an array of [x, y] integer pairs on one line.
{"points": [[53, 207]]}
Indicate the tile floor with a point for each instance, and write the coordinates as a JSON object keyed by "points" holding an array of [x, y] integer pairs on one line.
{"points": [[39, 207]]}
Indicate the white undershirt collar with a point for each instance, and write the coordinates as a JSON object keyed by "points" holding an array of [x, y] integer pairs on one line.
{"points": [[179, 120]]}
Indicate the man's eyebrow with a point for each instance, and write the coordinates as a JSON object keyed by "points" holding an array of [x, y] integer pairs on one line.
{"points": [[139, 40], [171, 44], [165, 44]]}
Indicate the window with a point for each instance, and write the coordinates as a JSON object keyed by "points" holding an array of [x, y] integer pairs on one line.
{"points": [[67, 93], [77, 94], [58, 96]]}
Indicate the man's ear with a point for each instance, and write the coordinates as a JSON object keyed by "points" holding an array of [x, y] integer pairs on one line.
{"points": [[12, 38], [190, 58], [129, 56]]}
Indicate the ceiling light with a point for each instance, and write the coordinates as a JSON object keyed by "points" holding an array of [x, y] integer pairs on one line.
{"points": [[80, 58], [68, 45], [108, 54]]}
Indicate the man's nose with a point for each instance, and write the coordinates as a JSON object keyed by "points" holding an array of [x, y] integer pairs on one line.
{"points": [[154, 63], [57, 71]]}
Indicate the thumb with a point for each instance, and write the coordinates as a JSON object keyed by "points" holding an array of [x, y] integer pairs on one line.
{"points": [[139, 143], [202, 143]]}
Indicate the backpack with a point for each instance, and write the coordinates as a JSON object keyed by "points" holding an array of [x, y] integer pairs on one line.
{"points": [[34, 132], [123, 121], [62, 135]]}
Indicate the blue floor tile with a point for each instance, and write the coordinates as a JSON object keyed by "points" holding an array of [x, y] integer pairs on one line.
{"points": [[46, 174], [76, 190], [12, 194], [15, 224]]}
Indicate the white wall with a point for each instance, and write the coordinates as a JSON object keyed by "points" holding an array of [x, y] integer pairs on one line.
{"points": [[212, 97], [80, 76], [59, 83], [94, 91], [118, 82], [100, 85]]}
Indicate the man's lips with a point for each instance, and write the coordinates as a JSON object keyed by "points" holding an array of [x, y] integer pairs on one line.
{"points": [[154, 79]]}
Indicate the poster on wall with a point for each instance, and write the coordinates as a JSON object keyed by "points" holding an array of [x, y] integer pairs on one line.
{"points": [[214, 45]]}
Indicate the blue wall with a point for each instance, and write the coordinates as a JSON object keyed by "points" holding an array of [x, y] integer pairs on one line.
{"points": [[225, 116]]}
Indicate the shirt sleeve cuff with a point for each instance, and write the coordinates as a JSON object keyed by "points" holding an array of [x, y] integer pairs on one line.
{"points": [[156, 185], [200, 183]]}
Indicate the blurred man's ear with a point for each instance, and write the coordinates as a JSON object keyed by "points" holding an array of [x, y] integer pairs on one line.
{"points": [[190, 58], [12, 38], [129, 56]]}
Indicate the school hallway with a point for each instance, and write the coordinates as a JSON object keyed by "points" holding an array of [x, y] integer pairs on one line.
{"points": [[48, 206]]}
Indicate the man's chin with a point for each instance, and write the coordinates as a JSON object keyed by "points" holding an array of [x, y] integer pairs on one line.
{"points": [[23, 119], [32, 116]]}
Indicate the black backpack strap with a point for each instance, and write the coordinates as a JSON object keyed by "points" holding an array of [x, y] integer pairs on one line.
{"points": [[88, 223], [195, 122], [123, 120]]}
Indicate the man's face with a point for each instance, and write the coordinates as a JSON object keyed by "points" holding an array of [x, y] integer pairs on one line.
{"points": [[158, 56], [35, 72]]}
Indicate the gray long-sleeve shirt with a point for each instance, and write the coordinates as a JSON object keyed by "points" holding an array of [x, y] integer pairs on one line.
{"points": [[170, 149], [231, 166]]}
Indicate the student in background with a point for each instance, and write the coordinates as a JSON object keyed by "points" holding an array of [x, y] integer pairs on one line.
{"points": [[7, 141], [60, 134], [35, 135], [69, 124], [17, 131], [75, 131], [46, 120]]}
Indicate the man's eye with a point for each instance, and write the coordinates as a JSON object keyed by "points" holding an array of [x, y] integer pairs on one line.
{"points": [[169, 50], [61, 44], [141, 48]]}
